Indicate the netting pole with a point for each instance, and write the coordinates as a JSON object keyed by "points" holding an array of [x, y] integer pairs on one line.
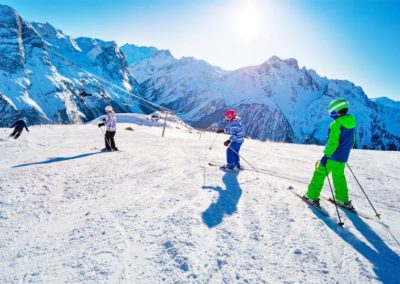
{"points": [[165, 124]]}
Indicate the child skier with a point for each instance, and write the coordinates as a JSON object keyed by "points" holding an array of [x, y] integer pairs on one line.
{"points": [[341, 139], [19, 127], [234, 142], [110, 122]]}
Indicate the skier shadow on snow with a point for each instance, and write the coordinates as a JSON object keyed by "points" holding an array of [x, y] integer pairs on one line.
{"points": [[227, 200], [58, 159], [384, 260]]}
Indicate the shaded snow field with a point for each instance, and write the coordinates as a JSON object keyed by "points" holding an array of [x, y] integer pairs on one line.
{"points": [[157, 213]]}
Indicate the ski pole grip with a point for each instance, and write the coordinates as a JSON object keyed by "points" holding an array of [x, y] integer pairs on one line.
{"points": [[316, 165]]}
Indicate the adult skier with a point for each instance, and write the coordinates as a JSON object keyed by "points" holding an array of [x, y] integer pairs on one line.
{"points": [[19, 127], [110, 121], [234, 142], [341, 139]]}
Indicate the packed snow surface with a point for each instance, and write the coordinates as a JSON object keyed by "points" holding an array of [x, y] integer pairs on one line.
{"points": [[156, 212]]}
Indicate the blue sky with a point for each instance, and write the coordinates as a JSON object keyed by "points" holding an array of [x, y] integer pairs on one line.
{"points": [[356, 40]]}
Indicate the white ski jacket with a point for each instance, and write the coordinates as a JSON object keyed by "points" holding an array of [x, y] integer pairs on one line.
{"points": [[111, 122]]}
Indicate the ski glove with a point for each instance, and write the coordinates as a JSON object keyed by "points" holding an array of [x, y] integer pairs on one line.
{"points": [[323, 161], [100, 124], [227, 142], [220, 131]]}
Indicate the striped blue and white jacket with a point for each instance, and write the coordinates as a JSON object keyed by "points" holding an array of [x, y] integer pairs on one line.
{"points": [[236, 131]]}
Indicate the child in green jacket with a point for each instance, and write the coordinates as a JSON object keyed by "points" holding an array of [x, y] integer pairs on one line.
{"points": [[341, 139]]}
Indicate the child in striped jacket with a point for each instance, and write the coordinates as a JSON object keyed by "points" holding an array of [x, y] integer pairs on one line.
{"points": [[234, 142]]}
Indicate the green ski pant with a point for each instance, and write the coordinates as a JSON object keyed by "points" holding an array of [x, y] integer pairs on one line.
{"points": [[338, 178]]}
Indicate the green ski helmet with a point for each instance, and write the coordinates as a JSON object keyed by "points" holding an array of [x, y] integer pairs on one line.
{"points": [[337, 105]]}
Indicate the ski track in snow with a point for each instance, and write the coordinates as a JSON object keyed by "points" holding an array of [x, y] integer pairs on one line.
{"points": [[157, 213]]}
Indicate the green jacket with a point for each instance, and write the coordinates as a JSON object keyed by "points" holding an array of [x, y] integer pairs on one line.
{"points": [[341, 138]]}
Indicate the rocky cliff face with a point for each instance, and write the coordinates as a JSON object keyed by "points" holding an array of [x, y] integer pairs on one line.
{"points": [[43, 72]]}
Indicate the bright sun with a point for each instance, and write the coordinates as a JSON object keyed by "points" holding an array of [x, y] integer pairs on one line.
{"points": [[247, 20]]}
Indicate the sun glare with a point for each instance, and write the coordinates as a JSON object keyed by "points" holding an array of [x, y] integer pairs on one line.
{"points": [[247, 20]]}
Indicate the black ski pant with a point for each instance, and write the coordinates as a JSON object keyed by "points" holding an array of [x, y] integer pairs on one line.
{"points": [[16, 133], [109, 140]]}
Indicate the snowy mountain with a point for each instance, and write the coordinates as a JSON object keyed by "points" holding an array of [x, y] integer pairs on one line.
{"points": [[383, 101], [135, 54], [43, 72], [157, 213], [277, 100]]}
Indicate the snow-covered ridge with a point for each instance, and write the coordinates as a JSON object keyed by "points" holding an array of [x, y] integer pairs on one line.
{"points": [[383, 101], [156, 119], [277, 100], [135, 54]]}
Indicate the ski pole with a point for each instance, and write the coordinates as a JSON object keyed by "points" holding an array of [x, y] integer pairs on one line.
{"points": [[215, 138], [376, 213], [214, 141], [243, 159], [104, 135], [334, 200]]}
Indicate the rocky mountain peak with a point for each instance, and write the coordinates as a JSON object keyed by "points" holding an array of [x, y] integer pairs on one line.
{"points": [[11, 37]]}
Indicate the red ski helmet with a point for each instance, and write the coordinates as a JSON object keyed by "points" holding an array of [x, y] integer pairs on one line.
{"points": [[230, 115]]}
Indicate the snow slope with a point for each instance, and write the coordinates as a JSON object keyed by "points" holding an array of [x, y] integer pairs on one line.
{"points": [[157, 213], [155, 119]]}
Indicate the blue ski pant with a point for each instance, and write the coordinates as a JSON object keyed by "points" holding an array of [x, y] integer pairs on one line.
{"points": [[233, 158]]}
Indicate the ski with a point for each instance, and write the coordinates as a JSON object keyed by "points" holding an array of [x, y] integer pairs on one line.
{"points": [[261, 171], [213, 165], [225, 170], [219, 166], [100, 150], [346, 208], [322, 210]]}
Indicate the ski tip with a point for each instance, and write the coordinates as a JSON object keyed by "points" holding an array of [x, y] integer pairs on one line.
{"points": [[290, 187]]}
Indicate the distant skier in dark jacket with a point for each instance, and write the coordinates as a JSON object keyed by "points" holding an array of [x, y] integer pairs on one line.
{"points": [[111, 126], [19, 127]]}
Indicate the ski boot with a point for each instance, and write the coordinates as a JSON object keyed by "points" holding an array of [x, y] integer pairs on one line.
{"points": [[347, 204], [239, 168], [314, 202], [228, 168]]}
